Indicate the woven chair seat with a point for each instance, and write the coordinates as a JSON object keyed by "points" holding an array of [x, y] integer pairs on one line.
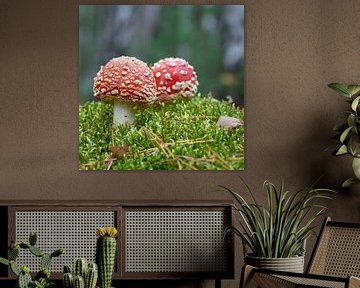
{"points": [[313, 282], [335, 262]]}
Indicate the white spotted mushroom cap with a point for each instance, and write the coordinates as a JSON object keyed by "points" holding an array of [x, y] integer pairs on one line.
{"points": [[174, 77], [125, 78]]}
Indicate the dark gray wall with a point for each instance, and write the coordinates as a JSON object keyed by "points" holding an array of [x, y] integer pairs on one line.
{"points": [[293, 50]]}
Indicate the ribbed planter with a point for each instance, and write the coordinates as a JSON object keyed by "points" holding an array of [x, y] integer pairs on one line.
{"points": [[291, 264]]}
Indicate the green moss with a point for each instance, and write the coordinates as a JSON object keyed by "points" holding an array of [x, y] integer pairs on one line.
{"points": [[177, 136]]}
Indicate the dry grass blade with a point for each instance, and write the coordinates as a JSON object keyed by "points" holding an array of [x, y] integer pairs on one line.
{"points": [[220, 160], [165, 149]]}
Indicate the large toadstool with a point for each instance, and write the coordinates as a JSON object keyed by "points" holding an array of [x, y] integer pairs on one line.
{"points": [[175, 77], [126, 82]]}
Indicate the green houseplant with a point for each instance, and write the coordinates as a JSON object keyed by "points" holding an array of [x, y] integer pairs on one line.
{"points": [[276, 233], [348, 132]]}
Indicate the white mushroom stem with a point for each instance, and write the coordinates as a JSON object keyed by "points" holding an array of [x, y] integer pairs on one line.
{"points": [[123, 113]]}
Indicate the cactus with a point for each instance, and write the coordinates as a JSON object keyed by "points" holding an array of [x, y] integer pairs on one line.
{"points": [[87, 272], [36, 251], [24, 280], [105, 254], [67, 269], [79, 282], [68, 280], [24, 245], [91, 276], [44, 273], [14, 268], [4, 261], [32, 238], [45, 261], [57, 252], [80, 267], [13, 253], [23, 273], [24, 277]]}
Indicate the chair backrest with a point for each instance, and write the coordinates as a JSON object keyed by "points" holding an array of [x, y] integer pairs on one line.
{"points": [[337, 251]]}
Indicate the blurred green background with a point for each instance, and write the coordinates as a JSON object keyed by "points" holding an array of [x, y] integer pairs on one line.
{"points": [[209, 37]]}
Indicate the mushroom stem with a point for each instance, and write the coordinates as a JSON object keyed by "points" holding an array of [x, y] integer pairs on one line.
{"points": [[123, 113]]}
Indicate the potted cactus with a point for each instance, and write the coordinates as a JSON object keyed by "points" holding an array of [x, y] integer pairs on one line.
{"points": [[106, 254], [42, 278], [84, 275]]}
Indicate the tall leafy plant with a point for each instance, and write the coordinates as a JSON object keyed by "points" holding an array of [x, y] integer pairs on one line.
{"points": [[348, 132], [279, 229]]}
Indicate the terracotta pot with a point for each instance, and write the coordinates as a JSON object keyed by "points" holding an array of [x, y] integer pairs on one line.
{"points": [[291, 264]]}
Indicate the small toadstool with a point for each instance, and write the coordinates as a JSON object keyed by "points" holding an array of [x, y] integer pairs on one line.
{"points": [[126, 82], [174, 77]]}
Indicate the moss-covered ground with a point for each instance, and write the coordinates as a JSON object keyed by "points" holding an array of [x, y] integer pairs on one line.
{"points": [[179, 136]]}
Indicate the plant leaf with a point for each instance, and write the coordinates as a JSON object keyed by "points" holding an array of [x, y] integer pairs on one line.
{"points": [[349, 182], [356, 167], [354, 145], [342, 150], [355, 103], [344, 134], [340, 88], [353, 89], [351, 120]]}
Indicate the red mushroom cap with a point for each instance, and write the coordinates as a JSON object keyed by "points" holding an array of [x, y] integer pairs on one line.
{"points": [[125, 78], [174, 77]]}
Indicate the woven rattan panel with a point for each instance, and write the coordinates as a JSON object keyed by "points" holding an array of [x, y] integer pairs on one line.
{"points": [[268, 280], [311, 282], [338, 253], [175, 241], [75, 231]]}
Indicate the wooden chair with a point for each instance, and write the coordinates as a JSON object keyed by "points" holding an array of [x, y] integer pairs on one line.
{"points": [[335, 262]]}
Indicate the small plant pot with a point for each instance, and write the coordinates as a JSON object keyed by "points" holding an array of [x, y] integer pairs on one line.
{"points": [[291, 264]]}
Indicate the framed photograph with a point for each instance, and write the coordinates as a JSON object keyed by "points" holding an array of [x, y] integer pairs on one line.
{"points": [[161, 87]]}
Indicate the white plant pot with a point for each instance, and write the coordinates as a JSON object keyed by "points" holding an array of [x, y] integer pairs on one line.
{"points": [[291, 264]]}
